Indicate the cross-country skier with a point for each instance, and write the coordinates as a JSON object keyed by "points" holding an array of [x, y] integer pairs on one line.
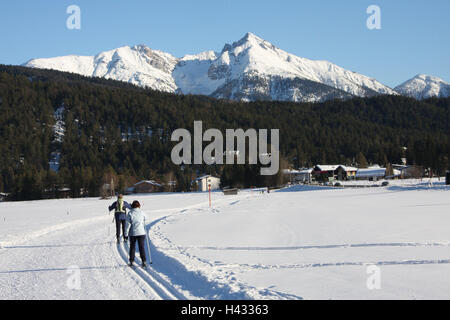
{"points": [[136, 230], [120, 214]]}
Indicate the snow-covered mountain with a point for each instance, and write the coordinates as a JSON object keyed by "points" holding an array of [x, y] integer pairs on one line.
{"points": [[253, 68], [249, 69], [423, 86], [138, 65]]}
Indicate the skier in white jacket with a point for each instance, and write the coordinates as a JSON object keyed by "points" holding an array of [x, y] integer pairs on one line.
{"points": [[135, 229]]}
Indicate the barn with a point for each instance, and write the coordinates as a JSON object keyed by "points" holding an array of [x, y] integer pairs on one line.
{"points": [[203, 183], [147, 186]]}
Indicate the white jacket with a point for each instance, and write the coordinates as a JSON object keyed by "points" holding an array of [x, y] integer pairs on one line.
{"points": [[135, 223]]}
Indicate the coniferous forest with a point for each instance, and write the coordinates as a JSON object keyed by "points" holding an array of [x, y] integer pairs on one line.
{"points": [[116, 129]]}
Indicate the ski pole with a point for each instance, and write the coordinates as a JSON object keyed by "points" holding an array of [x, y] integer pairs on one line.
{"points": [[114, 217], [148, 246]]}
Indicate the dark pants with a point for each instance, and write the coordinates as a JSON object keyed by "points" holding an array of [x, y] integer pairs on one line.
{"points": [[141, 243], [120, 223]]}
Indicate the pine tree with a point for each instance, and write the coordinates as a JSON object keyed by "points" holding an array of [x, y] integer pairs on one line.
{"points": [[361, 160], [111, 124]]}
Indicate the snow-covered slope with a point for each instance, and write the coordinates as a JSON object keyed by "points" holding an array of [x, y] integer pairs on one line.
{"points": [[138, 65], [289, 244], [249, 69], [253, 68], [423, 86]]}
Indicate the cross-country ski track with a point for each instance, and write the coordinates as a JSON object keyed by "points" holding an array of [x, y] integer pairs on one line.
{"points": [[298, 243], [44, 257]]}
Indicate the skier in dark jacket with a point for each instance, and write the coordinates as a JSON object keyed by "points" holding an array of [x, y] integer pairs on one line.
{"points": [[120, 215]]}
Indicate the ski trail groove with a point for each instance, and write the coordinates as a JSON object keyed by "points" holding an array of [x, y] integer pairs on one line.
{"points": [[161, 288], [330, 246], [251, 267], [24, 238], [138, 279], [222, 288], [154, 274]]}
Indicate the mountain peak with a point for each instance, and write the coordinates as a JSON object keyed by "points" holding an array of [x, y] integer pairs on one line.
{"points": [[249, 39], [424, 86], [426, 77], [248, 69], [141, 47], [251, 36]]}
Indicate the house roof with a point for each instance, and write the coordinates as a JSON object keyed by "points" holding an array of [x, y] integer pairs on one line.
{"points": [[334, 167], [299, 171], [290, 171], [327, 167], [205, 177], [371, 172], [152, 182], [400, 166], [348, 168]]}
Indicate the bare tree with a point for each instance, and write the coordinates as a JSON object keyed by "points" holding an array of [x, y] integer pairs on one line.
{"points": [[109, 184]]}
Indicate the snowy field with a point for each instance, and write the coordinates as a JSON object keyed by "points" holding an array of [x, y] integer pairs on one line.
{"points": [[297, 243]]}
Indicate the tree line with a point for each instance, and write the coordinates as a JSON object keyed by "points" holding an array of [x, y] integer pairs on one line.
{"points": [[115, 128]]}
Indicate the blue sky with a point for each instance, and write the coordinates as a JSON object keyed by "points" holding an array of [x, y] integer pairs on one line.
{"points": [[414, 37]]}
